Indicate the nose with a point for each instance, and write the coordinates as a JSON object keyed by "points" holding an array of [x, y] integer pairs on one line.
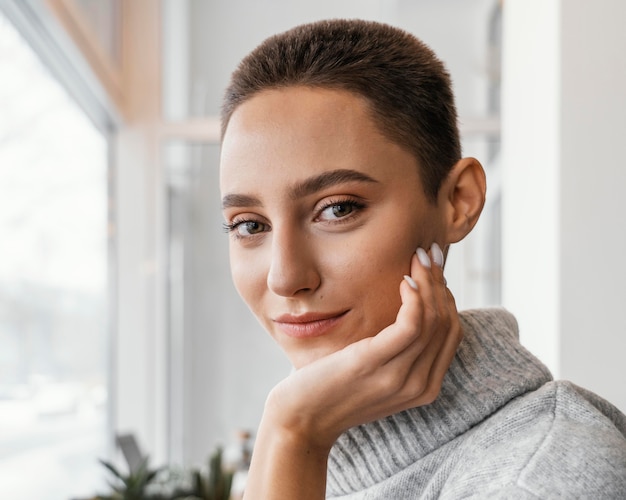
{"points": [[293, 267]]}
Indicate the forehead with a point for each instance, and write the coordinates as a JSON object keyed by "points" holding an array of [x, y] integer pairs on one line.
{"points": [[288, 134], [314, 111]]}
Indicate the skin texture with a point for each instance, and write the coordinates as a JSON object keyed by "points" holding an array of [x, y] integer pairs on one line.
{"points": [[325, 215]]}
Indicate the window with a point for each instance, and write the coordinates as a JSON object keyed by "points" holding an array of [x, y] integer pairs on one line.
{"points": [[53, 284]]}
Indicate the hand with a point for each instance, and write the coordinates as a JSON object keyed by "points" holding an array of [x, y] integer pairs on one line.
{"points": [[401, 367]]}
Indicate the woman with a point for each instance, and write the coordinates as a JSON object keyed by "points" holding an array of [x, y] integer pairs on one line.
{"points": [[342, 188]]}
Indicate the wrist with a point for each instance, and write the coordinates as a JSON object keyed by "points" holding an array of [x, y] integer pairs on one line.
{"points": [[286, 464], [292, 428]]}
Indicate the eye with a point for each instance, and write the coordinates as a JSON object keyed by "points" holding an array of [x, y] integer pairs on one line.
{"points": [[337, 210], [250, 227], [245, 228]]}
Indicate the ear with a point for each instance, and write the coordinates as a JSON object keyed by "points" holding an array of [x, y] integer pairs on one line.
{"points": [[462, 197]]}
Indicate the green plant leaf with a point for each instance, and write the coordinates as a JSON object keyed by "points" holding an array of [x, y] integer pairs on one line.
{"points": [[111, 468], [150, 475]]}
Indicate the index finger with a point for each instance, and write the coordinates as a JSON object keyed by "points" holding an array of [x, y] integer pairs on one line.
{"points": [[407, 327]]}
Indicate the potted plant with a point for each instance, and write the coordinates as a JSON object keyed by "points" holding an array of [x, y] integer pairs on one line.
{"points": [[132, 486]]}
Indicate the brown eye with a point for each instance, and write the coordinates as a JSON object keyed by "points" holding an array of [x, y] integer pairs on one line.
{"points": [[337, 211], [248, 228]]}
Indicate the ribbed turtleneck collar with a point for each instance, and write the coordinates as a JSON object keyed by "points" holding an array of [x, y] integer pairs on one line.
{"points": [[490, 368]]}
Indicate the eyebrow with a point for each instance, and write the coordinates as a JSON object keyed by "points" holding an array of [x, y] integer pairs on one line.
{"points": [[327, 179], [304, 188], [240, 200]]}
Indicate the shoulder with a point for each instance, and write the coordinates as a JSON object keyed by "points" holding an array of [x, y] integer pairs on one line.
{"points": [[558, 440], [583, 450]]}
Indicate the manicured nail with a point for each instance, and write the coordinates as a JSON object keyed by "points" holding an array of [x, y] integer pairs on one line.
{"points": [[437, 254], [410, 281], [423, 257]]}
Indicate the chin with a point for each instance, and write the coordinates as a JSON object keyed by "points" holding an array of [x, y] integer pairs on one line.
{"points": [[303, 359]]}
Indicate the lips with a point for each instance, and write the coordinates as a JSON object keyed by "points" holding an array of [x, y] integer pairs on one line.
{"points": [[308, 325]]}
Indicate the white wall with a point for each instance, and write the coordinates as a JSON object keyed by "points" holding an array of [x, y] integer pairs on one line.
{"points": [[564, 243], [531, 160]]}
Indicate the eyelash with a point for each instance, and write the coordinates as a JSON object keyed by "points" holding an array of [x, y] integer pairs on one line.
{"points": [[231, 227], [342, 201]]}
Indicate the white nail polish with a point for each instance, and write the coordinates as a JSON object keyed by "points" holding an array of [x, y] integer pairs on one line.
{"points": [[423, 257], [410, 281], [437, 254]]}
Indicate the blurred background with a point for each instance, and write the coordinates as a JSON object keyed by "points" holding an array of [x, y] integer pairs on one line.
{"points": [[117, 313]]}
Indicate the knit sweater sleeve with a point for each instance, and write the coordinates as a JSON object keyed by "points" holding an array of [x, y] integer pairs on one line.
{"points": [[568, 449]]}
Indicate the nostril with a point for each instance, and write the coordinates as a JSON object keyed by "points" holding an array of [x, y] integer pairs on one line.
{"points": [[287, 281], [293, 266]]}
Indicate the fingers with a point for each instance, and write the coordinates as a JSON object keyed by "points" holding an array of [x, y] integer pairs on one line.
{"points": [[424, 307], [427, 329], [448, 350], [400, 335], [431, 366], [425, 310], [401, 367]]}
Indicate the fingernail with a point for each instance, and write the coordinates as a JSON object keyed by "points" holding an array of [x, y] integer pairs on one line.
{"points": [[410, 281], [437, 254], [423, 257]]}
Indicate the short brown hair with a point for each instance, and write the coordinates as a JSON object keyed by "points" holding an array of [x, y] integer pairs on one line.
{"points": [[406, 85]]}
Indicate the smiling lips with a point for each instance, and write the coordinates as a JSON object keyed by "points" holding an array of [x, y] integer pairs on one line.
{"points": [[308, 325]]}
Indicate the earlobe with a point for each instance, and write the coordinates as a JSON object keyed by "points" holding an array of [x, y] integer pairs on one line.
{"points": [[463, 194]]}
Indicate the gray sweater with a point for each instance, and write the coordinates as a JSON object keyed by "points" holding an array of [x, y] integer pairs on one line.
{"points": [[500, 428]]}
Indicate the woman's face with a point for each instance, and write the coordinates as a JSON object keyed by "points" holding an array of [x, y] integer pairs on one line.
{"points": [[324, 214]]}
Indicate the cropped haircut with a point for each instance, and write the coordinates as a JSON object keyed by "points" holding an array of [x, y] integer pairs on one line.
{"points": [[406, 86]]}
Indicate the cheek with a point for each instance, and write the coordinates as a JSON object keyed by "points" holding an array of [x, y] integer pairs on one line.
{"points": [[376, 270], [386, 268], [389, 257], [247, 278], [372, 273]]}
